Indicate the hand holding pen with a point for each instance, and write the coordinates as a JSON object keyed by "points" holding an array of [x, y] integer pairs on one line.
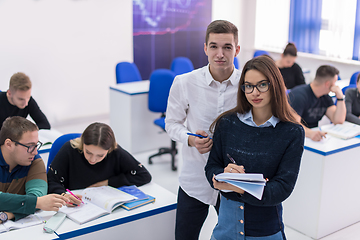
{"points": [[233, 167], [74, 200], [201, 141]]}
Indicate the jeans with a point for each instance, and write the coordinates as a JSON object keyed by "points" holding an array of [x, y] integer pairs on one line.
{"points": [[190, 216]]}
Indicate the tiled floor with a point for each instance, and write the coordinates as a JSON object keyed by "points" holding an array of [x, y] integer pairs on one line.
{"points": [[165, 177]]}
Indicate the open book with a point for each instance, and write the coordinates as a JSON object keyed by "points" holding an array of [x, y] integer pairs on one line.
{"points": [[31, 220], [252, 183], [344, 131], [98, 201]]}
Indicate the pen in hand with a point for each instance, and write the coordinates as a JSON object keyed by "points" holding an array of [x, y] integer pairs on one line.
{"points": [[233, 161], [74, 195], [197, 135]]}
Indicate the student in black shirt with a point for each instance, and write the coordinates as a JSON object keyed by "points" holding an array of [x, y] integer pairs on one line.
{"points": [[352, 102], [94, 160], [290, 70], [312, 102], [17, 101]]}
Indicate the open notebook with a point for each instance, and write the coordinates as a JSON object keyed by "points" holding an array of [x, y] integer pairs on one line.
{"points": [[252, 183], [98, 201], [344, 131], [31, 220]]}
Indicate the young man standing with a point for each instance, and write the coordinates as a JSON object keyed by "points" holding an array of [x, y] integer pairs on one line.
{"points": [[23, 184], [198, 98], [17, 101], [311, 102]]}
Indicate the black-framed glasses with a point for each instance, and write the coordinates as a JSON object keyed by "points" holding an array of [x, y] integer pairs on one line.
{"points": [[30, 148], [262, 86]]}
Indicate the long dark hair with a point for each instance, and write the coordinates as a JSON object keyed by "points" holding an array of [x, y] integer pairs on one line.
{"points": [[280, 106], [97, 134]]}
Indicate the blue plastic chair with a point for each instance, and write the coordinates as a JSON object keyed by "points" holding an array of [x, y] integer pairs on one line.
{"points": [[347, 87], [58, 143], [260, 53], [353, 78], [160, 84], [236, 63], [127, 72], [181, 65]]}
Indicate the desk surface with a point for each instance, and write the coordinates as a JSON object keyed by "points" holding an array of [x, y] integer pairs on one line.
{"points": [[132, 88], [165, 201], [331, 145]]}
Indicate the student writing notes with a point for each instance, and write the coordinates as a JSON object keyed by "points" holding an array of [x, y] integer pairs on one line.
{"points": [[198, 98], [262, 136], [311, 102], [23, 183], [93, 160]]}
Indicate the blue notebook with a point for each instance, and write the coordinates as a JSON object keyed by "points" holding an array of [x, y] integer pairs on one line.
{"points": [[138, 203], [135, 191]]}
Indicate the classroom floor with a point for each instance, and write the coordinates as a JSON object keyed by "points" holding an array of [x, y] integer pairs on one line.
{"points": [[165, 177]]}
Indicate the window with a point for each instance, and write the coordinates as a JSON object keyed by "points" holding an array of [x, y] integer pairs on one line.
{"points": [[337, 28]]}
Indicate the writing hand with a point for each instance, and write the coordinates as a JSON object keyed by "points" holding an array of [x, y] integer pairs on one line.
{"points": [[233, 168], [316, 135], [73, 201]]}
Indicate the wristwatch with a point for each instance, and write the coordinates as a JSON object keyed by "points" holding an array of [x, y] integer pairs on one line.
{"points": [[3, 217], [341, 99]]}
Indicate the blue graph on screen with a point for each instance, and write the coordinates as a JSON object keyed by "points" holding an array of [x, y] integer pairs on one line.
{"points": [[165, 29]]}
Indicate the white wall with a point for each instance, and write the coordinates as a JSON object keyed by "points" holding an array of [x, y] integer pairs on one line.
{"points": [[68, 48]]}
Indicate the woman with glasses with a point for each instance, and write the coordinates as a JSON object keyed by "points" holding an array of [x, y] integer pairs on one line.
{"points": [[93, 160], [261, 135]]}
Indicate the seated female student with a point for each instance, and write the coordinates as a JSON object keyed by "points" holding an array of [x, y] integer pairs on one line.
{"points": [[262, 136], [290, 70], [93, 160], [352, 102]]}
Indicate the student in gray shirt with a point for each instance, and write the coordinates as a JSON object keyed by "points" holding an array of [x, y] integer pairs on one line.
{"points": [[352, 102]]}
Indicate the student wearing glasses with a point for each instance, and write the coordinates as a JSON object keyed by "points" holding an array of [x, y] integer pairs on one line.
{"points": [[93, 160], [23, 185], [262, 136]]}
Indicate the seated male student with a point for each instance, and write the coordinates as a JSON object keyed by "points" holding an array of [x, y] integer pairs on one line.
{"points": [[23, 183], [312, 102], [17, 101]]}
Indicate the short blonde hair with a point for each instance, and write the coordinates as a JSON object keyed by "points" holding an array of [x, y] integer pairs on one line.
{"points": [[19, 81]]}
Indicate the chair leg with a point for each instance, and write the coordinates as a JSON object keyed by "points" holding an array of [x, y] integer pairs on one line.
{"points": [[173, 151]]}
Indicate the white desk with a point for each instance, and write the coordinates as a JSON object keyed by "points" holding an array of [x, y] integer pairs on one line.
{"points": [[152, 221], [326, 195], [132, 121]]}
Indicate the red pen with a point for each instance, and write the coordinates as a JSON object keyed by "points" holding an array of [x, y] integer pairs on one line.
{"points": [[74, 195]]}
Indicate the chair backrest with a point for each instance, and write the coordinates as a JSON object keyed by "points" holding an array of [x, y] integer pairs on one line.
{"points": [[353, 78], [127, 72], [181, 65], [236, 63], [260, 52], [160, 84], [347, 87], [58, 143]]}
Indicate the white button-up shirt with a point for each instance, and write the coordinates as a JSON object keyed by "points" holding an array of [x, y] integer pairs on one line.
{"points": [[195, 101]]}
